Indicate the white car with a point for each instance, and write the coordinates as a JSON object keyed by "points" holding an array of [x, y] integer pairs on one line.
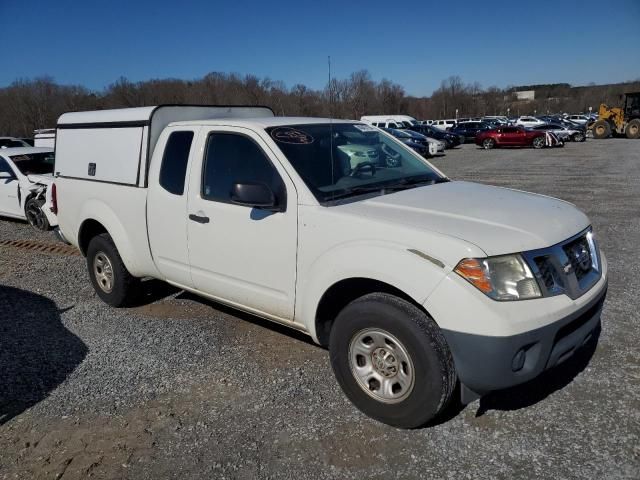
{"points": [[444, 125], [389, 121], [526, 121], [563, 133], [12, 142], [415, 283], [580, 119], [25, 176]]}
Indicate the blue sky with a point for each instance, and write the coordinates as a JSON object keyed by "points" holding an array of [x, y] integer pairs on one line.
{"points": [[416, 44]]}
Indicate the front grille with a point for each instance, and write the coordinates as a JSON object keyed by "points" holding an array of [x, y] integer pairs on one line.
{"points": [[570, 267], [547, 271], [579, 257]]}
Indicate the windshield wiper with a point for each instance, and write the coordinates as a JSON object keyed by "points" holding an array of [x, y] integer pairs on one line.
{"points": [[402, 184]]}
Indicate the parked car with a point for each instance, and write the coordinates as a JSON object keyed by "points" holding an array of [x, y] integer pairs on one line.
{"points": [[440, 145], [405, 137], [560, 120], [444, 124], [515, 136], [564, 133], [400, 121], [498, 118], [526, 121], [581, 119], [468, 130], [45, 137], [12, 142], [451, 139], [26, 174], [410, 279]]}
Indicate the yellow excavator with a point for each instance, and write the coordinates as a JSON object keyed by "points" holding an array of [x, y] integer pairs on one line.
{"points": [[621, 121]]}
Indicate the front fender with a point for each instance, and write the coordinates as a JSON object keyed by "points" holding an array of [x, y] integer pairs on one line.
{"points": [[388, 262]]}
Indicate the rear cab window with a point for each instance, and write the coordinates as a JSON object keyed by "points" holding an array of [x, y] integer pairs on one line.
{"points": [[174, 161]]}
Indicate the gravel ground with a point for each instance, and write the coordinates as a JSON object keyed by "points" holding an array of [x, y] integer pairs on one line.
{"points": [[184, 388]]}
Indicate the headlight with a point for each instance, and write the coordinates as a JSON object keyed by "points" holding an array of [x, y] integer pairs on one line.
{"points": [[507, 277]]}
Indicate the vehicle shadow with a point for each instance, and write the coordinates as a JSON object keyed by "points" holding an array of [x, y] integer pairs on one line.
{"points": [[248, 317], [536, 390], [37, 352]]}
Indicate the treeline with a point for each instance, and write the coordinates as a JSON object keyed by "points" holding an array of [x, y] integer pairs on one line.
{"points": [[29, 104]]}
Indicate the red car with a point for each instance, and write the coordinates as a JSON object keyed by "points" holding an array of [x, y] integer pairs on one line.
{"points": [[510, 137]]}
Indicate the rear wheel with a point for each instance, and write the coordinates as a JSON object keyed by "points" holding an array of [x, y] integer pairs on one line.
{"points": [[601, 129], [110, 278], [633, 129], [391, 360], [538, 142], [488, 143], [34, 214]]}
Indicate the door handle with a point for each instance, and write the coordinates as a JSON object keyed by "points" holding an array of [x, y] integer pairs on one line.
{"points": [[198, 218]]}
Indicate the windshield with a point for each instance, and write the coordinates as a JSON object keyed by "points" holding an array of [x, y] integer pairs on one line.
{"points": [[342, 159], [34, 163]]}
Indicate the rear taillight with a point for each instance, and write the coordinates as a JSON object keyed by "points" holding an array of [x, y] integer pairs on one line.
{"points": [[54, 199]]}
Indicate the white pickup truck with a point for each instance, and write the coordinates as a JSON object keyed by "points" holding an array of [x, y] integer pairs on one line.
{"points": [[414, 282]]}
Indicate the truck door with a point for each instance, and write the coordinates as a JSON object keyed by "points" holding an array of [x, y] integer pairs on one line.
{"points": [[239, 254], [167, 204], [9, 199]]}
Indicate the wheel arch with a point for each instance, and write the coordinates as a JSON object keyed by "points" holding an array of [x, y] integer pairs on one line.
{"points": [[343, 292]]}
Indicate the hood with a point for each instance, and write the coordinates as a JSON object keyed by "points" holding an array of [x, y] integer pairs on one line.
{"points": [[497, 220], [45, 178]]}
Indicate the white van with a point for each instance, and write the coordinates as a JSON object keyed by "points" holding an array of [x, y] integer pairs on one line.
{"points": [[444, 124], [390, 121], [45, 137]]}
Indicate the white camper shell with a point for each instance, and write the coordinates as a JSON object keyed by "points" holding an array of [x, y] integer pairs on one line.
{"points": [[115, 146]]}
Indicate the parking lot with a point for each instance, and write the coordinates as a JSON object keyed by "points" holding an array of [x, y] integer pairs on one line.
{"points": [[184, 388]]}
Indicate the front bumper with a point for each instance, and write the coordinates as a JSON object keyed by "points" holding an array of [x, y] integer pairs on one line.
{"points": [[487, 363]]}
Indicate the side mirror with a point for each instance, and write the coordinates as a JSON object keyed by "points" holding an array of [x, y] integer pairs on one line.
{"points": [[256, 195]]}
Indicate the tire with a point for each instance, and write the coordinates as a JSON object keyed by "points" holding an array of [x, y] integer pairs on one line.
{"points": [[34, 214], [421, 375], [538, 142], [488, 143], [633, 129], [110, 278], [601, 129], [578, 137]]}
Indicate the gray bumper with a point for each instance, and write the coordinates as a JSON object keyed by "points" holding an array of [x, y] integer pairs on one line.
{"points": [[486, 363]]}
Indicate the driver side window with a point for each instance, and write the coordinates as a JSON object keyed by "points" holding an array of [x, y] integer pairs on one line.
{"points": [[4, 167], [232, 158]]}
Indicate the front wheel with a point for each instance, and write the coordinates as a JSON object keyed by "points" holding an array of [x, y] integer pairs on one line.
{"points": [[34, 214], [110, 278], [578, 137], [488, 143], [538, 142], [391, 360], [601, 129]]}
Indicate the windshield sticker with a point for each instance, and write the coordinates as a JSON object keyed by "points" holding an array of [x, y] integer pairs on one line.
{"points": [[363, 127], [291, 135]]}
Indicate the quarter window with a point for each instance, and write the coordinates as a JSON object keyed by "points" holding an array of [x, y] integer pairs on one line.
{"points": [[232, 158], [174, 162]]}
